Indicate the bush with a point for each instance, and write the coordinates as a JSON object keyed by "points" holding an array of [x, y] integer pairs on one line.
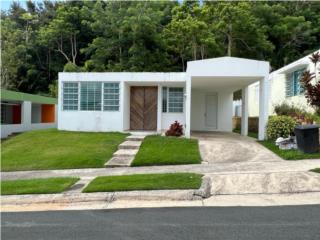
{"points": [[316, 118], [300, 116], [286, 109], [176, 129], [280, 126]]}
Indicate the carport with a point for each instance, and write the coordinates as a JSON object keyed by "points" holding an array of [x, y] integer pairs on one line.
{"points": [[210, 85]]}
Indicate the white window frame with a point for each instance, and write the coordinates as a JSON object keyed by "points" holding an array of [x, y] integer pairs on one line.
{"points": [[168, 99], [114, 94], [63, 97]]}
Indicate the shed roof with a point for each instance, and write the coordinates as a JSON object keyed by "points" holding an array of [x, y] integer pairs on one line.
{"points": [[19, 96]]}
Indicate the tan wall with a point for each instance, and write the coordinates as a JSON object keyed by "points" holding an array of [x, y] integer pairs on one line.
{"points": [[253, 123]]}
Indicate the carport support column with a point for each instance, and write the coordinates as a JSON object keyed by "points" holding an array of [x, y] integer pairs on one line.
{"points": [[244, 112], [263, 107], [188, 107]]}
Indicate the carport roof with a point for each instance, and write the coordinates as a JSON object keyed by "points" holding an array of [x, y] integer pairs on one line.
{"points": [[226, 73], [19, 96], [228, 67]]}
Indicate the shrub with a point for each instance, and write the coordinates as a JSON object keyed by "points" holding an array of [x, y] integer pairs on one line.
{"points": [[176, 129], [286, 109], [280, 126], [316, 118], [299, 115]]}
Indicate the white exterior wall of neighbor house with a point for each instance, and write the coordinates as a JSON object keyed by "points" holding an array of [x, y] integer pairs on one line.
{"points": [[277, 95], [103, 121]]}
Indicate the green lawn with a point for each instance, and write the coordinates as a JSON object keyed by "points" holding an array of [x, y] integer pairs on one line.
{"points": [[158, 150], [145, 182], [36, 186], [250, 134], [316, 170], [288, 154], [53, 149]]}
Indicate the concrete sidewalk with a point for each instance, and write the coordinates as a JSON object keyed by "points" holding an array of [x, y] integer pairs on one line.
{"points": [[236, 189], [218, 168]]}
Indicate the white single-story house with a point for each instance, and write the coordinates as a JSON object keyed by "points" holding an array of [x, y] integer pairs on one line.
{"points": [[22, 112], [201, 98], [284, 87]]}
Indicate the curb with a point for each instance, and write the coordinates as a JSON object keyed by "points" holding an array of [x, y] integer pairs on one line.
{"points": [[205, 189], [109, 197]]}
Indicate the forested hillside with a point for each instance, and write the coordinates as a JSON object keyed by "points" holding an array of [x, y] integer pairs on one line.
{"points": [[50, 37]]}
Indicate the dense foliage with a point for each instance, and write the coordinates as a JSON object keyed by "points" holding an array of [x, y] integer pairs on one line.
{"points": [[280, 126], [49, 37], [301, 116]]}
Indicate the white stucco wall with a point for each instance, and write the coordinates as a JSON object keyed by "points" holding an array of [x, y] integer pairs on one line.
{"points": [[111, 120], [90, 121], [126, 106], [168, 118], [224, 111], [277, 93]]}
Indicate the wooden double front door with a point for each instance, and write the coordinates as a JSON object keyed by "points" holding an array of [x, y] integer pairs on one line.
{"points": [[143, 108]]}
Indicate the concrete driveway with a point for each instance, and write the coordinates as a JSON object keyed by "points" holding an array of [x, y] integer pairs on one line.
{"points": [[218, 147]]}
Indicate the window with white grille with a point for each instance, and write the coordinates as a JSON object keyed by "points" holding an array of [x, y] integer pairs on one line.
{"points": [[70, 96], [172, 99], [90, 96], [111, 97]]}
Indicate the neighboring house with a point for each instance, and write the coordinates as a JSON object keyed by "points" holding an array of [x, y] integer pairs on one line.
{"points": [[284, 87], [200, 98], [22, 112]]}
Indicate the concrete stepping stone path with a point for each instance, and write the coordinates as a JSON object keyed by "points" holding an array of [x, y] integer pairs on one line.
{"points": [[126, 152]]}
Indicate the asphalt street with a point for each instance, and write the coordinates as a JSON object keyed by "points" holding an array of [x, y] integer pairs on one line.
{"points": [[227, 223]]}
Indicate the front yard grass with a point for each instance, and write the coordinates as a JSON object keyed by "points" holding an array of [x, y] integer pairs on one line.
{"points": [[36, 186], [250, 134], [145, 182], [53, 149], [159, 150], [288, 154], [316, 170]]}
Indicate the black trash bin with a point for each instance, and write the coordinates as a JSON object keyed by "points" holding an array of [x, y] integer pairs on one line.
{"points": [[307, 138]]}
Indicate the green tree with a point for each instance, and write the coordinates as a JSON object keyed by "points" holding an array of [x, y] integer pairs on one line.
{"points": [[238, 30], [14, 54], [61, 33], [188, 35], [128, 37]]}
